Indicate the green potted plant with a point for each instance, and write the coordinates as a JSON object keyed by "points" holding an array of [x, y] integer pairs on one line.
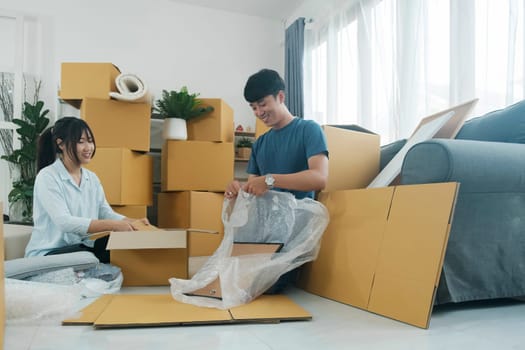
{"points": [[244, 148], [30, 127], [177, 107]]}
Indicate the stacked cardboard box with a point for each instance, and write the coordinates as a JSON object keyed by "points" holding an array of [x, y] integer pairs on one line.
{"points": [[122, 134], [194, 175]]}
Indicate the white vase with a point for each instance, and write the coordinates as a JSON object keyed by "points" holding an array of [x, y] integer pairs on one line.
{"points": [[174, 129]]}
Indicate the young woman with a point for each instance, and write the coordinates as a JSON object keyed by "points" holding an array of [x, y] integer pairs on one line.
{"points": [[68, 200]]}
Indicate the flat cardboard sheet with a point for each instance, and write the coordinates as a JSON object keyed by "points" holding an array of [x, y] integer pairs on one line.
{"points": [[384, 248], [153, 310]]}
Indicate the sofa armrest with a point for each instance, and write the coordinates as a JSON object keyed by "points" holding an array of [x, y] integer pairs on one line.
{"points": [[479, 166]]}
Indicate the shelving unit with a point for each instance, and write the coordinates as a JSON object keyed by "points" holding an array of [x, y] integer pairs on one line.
{"points": [[242, 163]]}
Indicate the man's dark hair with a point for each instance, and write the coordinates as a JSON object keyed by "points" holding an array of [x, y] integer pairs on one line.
{"points": [[261, 84]]}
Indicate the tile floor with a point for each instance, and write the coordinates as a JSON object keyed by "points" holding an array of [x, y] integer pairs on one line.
{"points": [[478, 325]]}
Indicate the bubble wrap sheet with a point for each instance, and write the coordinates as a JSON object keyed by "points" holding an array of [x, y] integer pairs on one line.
{"points": [[276, 217]]}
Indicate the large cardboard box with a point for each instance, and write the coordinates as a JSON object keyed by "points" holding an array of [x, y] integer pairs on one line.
{"points": [[190, 209], [131, 211], [117, 123], [353, 158], [196, 165], [149, 258], [2, 276], [81, 80], [127, 176], [215, 126], [383, 249]]}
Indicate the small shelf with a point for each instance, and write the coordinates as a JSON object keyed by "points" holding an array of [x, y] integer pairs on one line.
{"points": [[242, 159], [245, 133]]}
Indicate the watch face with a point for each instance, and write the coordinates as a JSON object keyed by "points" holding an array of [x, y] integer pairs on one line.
{"points": [[269, 180]]}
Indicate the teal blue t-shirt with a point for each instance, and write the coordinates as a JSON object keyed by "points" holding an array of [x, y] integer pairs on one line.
{"points": [[286, 151]]}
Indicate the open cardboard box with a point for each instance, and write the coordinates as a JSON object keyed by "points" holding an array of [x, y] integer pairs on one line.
{"points": [[383, 249], [149, 256]]}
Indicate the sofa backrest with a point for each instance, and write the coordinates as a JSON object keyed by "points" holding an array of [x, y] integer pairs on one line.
{"points": [[504, 125]]}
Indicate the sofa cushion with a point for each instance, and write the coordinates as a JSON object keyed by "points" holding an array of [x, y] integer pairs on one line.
{"points": [[23, 268], [504, 125], [16, 238]]}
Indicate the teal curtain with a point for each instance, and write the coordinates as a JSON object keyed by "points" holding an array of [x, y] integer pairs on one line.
{"points": [[293, 70]]}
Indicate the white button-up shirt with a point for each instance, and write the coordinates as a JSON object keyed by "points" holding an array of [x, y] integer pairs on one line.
{"points": [[62, 210]]}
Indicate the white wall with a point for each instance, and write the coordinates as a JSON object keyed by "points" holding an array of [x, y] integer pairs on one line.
{"points": [[166, 43]]}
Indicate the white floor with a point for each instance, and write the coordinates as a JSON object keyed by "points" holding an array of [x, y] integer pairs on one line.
{"points": [[480, 325]]}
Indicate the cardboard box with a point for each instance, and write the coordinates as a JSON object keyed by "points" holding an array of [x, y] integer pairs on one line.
{"points": [[215, 126], [383, 249], [81, 80], [193, 209], [353, 158], [196, 165], [127, 176], [260, 127], [118, 123], [149, 258], [2, 276], [132, 211]]}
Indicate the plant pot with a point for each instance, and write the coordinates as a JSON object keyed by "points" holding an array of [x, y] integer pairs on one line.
{"points": [[244, 152], [174, 129]]}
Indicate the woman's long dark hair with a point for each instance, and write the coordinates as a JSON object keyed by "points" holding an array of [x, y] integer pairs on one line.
{"points": [[69, 130]]}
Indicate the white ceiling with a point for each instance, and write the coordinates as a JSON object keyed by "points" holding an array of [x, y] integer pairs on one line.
{"points": [[273, 9]]}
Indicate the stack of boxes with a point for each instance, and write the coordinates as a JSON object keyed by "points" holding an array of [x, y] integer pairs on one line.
{"points": [[194, 176], [122, 135]]}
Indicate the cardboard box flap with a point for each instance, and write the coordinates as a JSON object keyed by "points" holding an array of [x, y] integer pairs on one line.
{"points": [[156, 310], [90, 313], [147, 239], [270, 307]]}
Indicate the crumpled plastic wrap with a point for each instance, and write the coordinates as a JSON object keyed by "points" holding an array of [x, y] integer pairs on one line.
{"points": [[53, 296], [32, 302], [276, 217]]}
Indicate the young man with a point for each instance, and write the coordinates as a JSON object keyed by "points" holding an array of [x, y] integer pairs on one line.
{"points": [[292, 156]]}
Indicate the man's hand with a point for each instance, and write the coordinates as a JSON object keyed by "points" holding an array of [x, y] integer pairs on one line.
{"points": [[256, 185]]}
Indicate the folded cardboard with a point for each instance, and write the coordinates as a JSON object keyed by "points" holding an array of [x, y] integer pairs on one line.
{"points": [[132, 211], [149, 258], [215, 126], [2, 276], [383, 249], [118, 124], [188, 209], [196, 165], [127, 176], [80, 80], [155, 310], [354, 158]]}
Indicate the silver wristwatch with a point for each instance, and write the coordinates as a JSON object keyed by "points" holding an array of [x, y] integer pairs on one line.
{"points": [[269, 180]]}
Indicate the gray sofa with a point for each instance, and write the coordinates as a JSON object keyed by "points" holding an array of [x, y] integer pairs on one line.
{"points": [[485, 257]]}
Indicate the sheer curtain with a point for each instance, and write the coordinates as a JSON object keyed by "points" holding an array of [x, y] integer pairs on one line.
{"points": [[385, 64]]}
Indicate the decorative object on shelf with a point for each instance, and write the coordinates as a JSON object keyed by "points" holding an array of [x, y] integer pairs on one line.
{"points": [[32, 124], [244, 148], [177, 107], [239, 128]]}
